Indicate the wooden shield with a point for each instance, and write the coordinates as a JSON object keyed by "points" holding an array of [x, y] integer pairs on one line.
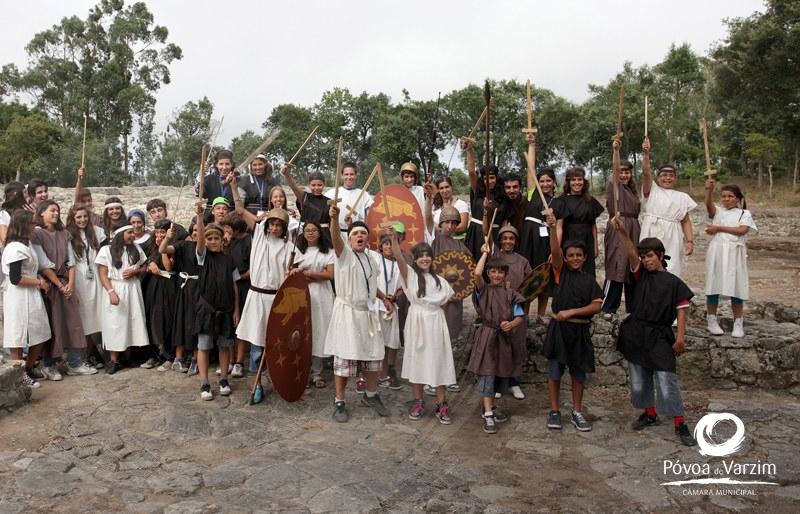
{"points": [[536, 282], [403, 206], [288, 344], [456, 268]]}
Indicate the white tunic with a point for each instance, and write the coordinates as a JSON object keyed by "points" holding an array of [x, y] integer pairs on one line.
{"points": [[23, 308], [123, 325], [726, 258], [348, 197], [428, 357], [87, 283], [662, 212], [460, 205], [389, 283], [354, 332], [269, 259], [321, 294]]}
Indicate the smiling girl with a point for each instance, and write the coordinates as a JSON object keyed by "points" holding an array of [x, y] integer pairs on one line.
{"points": [[113, 214], [577, 211]]}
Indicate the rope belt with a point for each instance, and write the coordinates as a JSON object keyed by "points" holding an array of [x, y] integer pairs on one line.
{"points": [[185, 277]]}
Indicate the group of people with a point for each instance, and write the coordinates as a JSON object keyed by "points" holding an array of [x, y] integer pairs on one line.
{"points": [[103, 291]]}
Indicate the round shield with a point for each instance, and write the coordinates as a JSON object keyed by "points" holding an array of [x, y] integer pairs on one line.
{"points": [[403, 207], [536, 282], [456, 268]]}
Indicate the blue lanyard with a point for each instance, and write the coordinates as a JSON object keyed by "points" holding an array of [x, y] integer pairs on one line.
{"points": [[260, 190], [223, 189]]}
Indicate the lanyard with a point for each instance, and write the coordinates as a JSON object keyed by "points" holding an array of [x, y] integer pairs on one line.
{"points": [[260, 190], [364, 270], [223, 189], [387, 276], [89, 263]]}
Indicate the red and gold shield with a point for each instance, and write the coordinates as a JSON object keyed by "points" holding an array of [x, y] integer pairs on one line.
{"points": [[536, 282], [288, 344], [456, 268], [403, 207]]}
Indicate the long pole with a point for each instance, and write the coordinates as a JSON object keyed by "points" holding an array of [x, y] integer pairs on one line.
{"points": [[709, 171], [487, 159], [297, 153], [645, 115], [83, 147]]}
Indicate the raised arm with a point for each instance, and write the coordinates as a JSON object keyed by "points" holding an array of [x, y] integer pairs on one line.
{"points": [[78, 184], [466, 144], [246, 215], [710, 207], [478, 273], [556, 255], [402, 265], [530, 138], [299, 193], [336, 232], [199, 209], [647, 176], [429, 192], [164, 247]]}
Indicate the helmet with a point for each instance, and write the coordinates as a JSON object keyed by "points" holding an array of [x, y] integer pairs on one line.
{"points": [[508, 228], [449, 213], [408, 166], [279, 214]]}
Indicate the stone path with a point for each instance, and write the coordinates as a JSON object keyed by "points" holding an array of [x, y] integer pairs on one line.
{"points": [[143, 441]]}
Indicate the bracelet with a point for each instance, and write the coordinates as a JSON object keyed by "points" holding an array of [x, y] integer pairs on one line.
{"points": [[109, 291], [689, 241]]}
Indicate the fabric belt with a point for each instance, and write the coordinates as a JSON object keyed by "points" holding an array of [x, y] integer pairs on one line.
{"points": [[579, 321], [324, 225], [372, 314], [262, 291], [480, 222], [659, 218], [185, 277], [166, 274], [536, 220]]}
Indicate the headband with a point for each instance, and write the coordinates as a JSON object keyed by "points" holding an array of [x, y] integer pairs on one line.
{"points": [[122, 229], [358, 229], [136, 212], [112, 204]]}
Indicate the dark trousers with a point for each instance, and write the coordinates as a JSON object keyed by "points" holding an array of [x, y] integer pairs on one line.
{"points": [[613, 296]]}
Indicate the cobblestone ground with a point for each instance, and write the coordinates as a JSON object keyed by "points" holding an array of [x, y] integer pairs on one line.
{"points": [[143, 441]]}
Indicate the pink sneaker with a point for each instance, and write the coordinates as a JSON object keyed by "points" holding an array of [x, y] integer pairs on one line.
{"points": [[443, 413], [417, 411], [361, 386]]}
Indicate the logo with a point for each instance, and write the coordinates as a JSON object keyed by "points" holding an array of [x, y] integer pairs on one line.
{"points": [[724, 472]]}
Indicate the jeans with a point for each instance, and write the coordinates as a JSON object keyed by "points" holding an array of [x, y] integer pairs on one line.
{"points": [[645, 383]]}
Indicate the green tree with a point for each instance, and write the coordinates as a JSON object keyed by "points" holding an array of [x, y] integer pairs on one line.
{"points": [[179, 149], [25, 141]]}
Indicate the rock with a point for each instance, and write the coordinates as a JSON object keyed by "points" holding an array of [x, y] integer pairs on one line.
{"points": [[12, 392], [609, 375], [190, 507], [88, 451], [223, 478], [547, 448], [609, 357], [132, 496], [23, 463], [492, 493], [49, 465], [177, 484], [346, 498]]}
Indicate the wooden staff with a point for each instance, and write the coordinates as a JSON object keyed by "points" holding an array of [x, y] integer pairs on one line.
{"points": [[645, 115], [491, 226], [268, 141], [201, 189], [709, 171], [387, 222], [471, 135], [338, 172], [178, 200], [352, 208], [530, 157], [297, 153], [487, 159], [616, 162], [83, 148]]}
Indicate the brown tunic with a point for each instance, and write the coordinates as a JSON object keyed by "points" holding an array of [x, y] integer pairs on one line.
{"points": [[453, 310], [494, 353], [65, 316], [617, 266], [518, 270]]}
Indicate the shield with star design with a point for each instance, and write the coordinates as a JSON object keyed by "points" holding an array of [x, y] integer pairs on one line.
{"points": [[456, 267], [288, 344], [403, 207]]}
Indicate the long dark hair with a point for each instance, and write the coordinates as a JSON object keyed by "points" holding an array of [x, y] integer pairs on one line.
{"points": [[43, 207], [418, 251], [75, 238], [13, 196], [438, 201], [631, 185], [118, 247], [107, 221], [577, 172], [323, 244], [18, 228], [737, 192]]}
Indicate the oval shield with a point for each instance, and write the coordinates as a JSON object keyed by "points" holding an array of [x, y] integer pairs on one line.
{"points": [[536, 282], [403, 207]]}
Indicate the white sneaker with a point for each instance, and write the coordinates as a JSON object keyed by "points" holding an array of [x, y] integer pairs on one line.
{"points": [[51, 373], [224, 388], [429, 390], [83, 369], [738, 327], [165, 366], [498, 395], [517, 392], [713, 325], [205, 392], [28, 380], [230, 368], [237, 371]]}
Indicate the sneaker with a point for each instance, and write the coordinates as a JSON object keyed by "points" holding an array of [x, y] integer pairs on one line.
{"points": [[517, 392], [192, 369], [738, 327], [685, 435], [454, 388], [499, 417], [497, 396], [713, 325], [165, 366], [394, 384], [258, 394], [178, 366], [113, 367], [554, 420], [205, 392], [83, 369], [149, 363], [361, 386], [429, 390], [443, 413], [38, 373], [51, 373], [340, 414], [224, 387], [237, 371], [489, 425], [376, 403], [28, 380], [230, 368], [581, 423], [417, 410], [97, 364], [608, 316], [644, 421]]}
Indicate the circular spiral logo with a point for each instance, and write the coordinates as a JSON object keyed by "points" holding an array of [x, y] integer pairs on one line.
{"points": [[705, 429]]}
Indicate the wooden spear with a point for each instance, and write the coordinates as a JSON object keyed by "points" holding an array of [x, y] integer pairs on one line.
{"points": [[268, 141], [709, 171], [201, 188], [487, 159], [645, 115], [352, 208], [297, 153], [387, 222], [83, 148], [471, 136], [338, 172], [530, 157], [616, 161]]}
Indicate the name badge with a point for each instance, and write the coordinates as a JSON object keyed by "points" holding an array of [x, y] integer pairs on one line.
{"points": [[543, 232], [260, 213]]}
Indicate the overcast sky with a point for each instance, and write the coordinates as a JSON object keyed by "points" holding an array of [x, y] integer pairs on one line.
{"points": [[248, 56]]}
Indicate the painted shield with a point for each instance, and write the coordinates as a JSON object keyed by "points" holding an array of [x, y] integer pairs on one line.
{"points": [[536, 282], [288, 343], [403, 207], [456, 268]]}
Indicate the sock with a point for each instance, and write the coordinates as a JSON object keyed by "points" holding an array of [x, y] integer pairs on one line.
{"points": [[205, 382], [650, 411], [371, 394], [336, 400], [488, 413], [678, 421]]}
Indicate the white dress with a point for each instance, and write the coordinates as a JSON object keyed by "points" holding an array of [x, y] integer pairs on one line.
{"points": [[460, 205], [269, 259], [321, 294], [726, 258], [25, 316], [428, 357], [389, 283], [348, 197], [354, 332], [662, 212], [123, 325], [87, 283]]}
